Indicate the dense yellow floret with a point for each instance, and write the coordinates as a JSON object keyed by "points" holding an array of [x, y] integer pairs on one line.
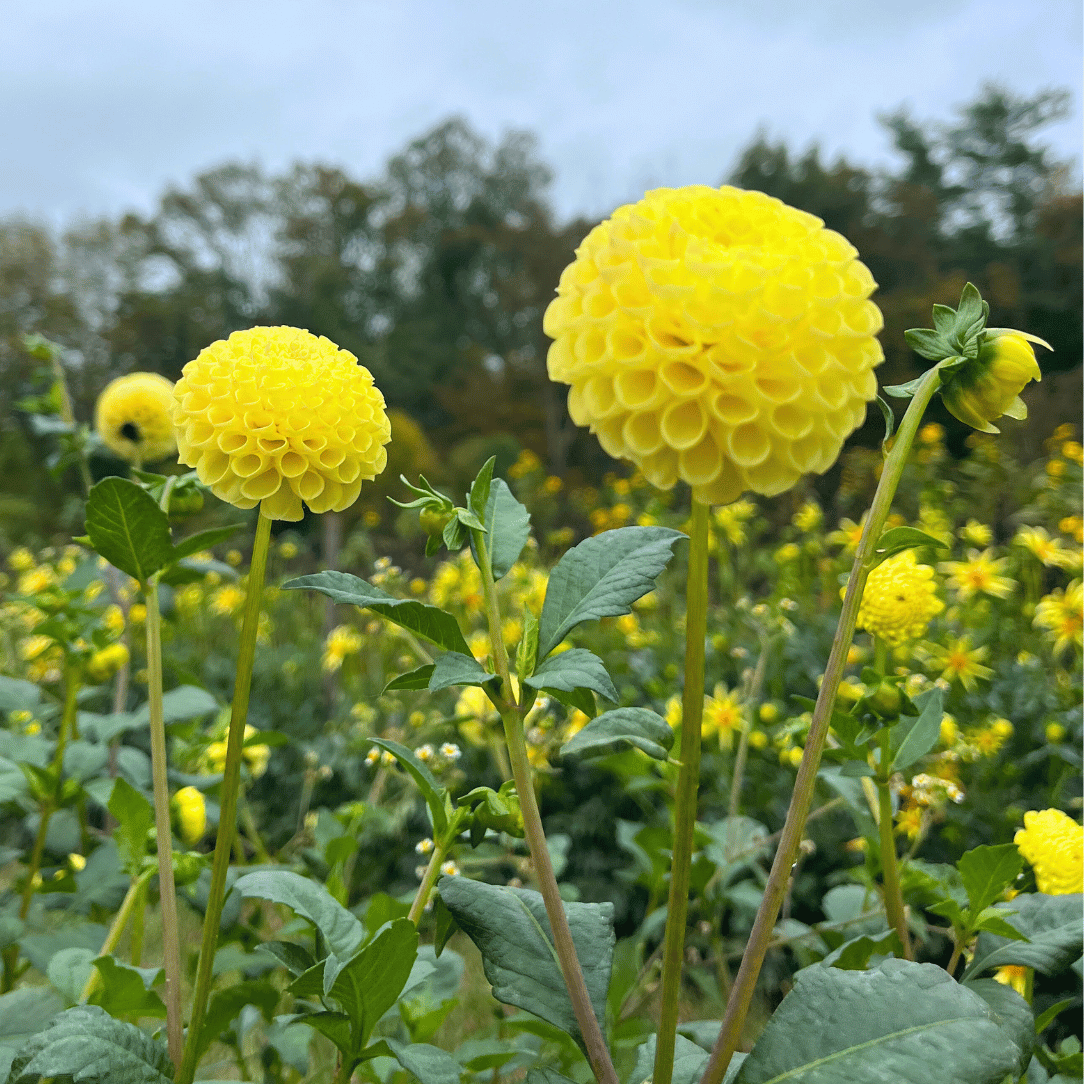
{"points": [[1054, 845], [899, 600], [133, 417]]}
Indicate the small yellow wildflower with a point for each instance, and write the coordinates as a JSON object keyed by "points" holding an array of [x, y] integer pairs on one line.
{"points": [[34, 647], [730, 519], [1071, 449], [1013, 975], [288, 550], [976, 534], [981, 573], [1072, 526], [1054, 845], [848, 535], [36, 580], [1054, 733], [107, 662], [77, 862], [909, 821], [227, 600], [1037, 541], [21, 560], [959, 661], [724, 715], [137, 614], [1061, 614], [234, 557], [343, 640], [808, 518]]}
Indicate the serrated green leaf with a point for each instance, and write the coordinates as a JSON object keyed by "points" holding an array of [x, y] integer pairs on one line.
{"points": [[413, 679], [512, 932], [87, 1044], [428, 622], [613, 731], [602, 577], [917, 735], [893, 1023], [508, 526], [1052, 926], [576, 668], [432, 791], [899, 539], [293, 957], [928, 344], [987, 871], [125, 990], [127, 528], [340, 929], [203, 540], [135, 818], [453, 668]]}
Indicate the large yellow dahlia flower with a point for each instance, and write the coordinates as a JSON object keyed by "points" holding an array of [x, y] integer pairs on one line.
{"points": [[899, 600], [1054, 845], [717, 336], [132, 417], [276, 416]]}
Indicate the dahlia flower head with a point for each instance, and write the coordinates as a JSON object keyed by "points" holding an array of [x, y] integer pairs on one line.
{"points": [[275, 416], [899, 600], [133, 417], [717, 336], [1054, 845]]}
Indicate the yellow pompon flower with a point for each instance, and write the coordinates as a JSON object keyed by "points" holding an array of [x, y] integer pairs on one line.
{"points": [[104, 664], [900, 599], [1054, 845], [275, 416], [717, 336], [989, 386], [191, 814], [1061, 613], [980, 574], [133, 416]]}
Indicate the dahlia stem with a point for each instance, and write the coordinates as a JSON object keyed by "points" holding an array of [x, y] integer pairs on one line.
{"points": [[231, 781], [741, 995], [894, 910], [128, 909], [512, 716], [685, 801], [167, 892], [429, 878]]}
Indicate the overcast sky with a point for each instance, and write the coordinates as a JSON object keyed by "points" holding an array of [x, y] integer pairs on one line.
{"points": [[104, 104]]}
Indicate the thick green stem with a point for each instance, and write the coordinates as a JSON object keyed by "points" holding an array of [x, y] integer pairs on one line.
{"points": [[429, 878], [597, 1053], [889, 868], [167, 892], [741, 995], [231, 782], [685, 800], [128, 908]]}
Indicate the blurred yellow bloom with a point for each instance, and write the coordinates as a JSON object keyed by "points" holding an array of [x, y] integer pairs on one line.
{"points": [[275, 416], [35, 646], [105, 663], [1061, 614], [809, 517], [848, 535], [133, 417], [137, 613], [525, 464], [1054, 845], [234, 557], [931, 433], [36, 580], [1013, 975], [1071, 449], [21, 560], [731, 520], [1073, 526], [1054, 732], [1037, 541], [343, 640], [909, 821], [288, 550], [980, 574], [717, 336], [899, 600], [976, 534], [227, 600], [191, 814], [724, 715], [959, 661]]}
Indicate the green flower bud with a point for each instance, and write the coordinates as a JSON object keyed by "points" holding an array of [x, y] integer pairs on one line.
{"points": [[186, 867], [434, 521]]}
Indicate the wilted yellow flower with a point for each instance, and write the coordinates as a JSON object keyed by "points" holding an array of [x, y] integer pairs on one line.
{"points": [[275, 416], [989, 386], [1054, 845], [191, 814], [343, 640], [133, 417], [1061, 613], [900, 599], [1014, 975], [103, 664], [717, 336], [981, 574]]}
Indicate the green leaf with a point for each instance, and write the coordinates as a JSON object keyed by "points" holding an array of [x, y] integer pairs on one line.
{"points": [[127, 528], [903, 391], [18, 695], [542, 1074], [899, 539], [508, 526], [1047, 1016], [125, 990], [24, 1012], [987, 872], [203, 540], [944, 319], [689, 1061], [928, 344], [994, 921], [479, 489], [1052, 926], [335, 1026], [736, 843], [618, 729], [916, 736], [227, 1003], [87, 1044], [135, 818], [370, 983], [432, 791], [452, 668], [69, 970], [1014, 1015], [602, 577], [512, 932], [179, 705], [427, 1064], [293, 957], [340, 929], [428, 622], [413, 679], [853, 955], [527, 651], [889, 417], [894, 1023], [971, 308], [576, 668]]}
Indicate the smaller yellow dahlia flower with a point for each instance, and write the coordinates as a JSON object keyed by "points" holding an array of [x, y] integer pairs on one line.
{"points": [[1054, 845], [980, 574], [191, 814], [275, 416], [990, 386], [900, 599], [133, 416], [103, 664], [1061, 613]]}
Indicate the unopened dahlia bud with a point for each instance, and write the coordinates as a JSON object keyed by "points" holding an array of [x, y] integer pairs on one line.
{"points": [[275, 416], [717, 336], [984, 389], [133, 417], [191, 814]]}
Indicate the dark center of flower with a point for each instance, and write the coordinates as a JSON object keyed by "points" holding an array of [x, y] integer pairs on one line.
{"points": [[130, 431]]}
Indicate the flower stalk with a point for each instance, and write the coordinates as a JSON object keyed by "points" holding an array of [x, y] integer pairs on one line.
{"points": [[429, 878], [685, 806], [741, 995], [893, 894], [231, 782]]}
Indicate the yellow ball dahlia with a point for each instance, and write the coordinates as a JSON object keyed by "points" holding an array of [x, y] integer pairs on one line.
{"points": [[899, 600], [133, 417], [191, 808], [1054, 845], [717, 336], [275, 416]]}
